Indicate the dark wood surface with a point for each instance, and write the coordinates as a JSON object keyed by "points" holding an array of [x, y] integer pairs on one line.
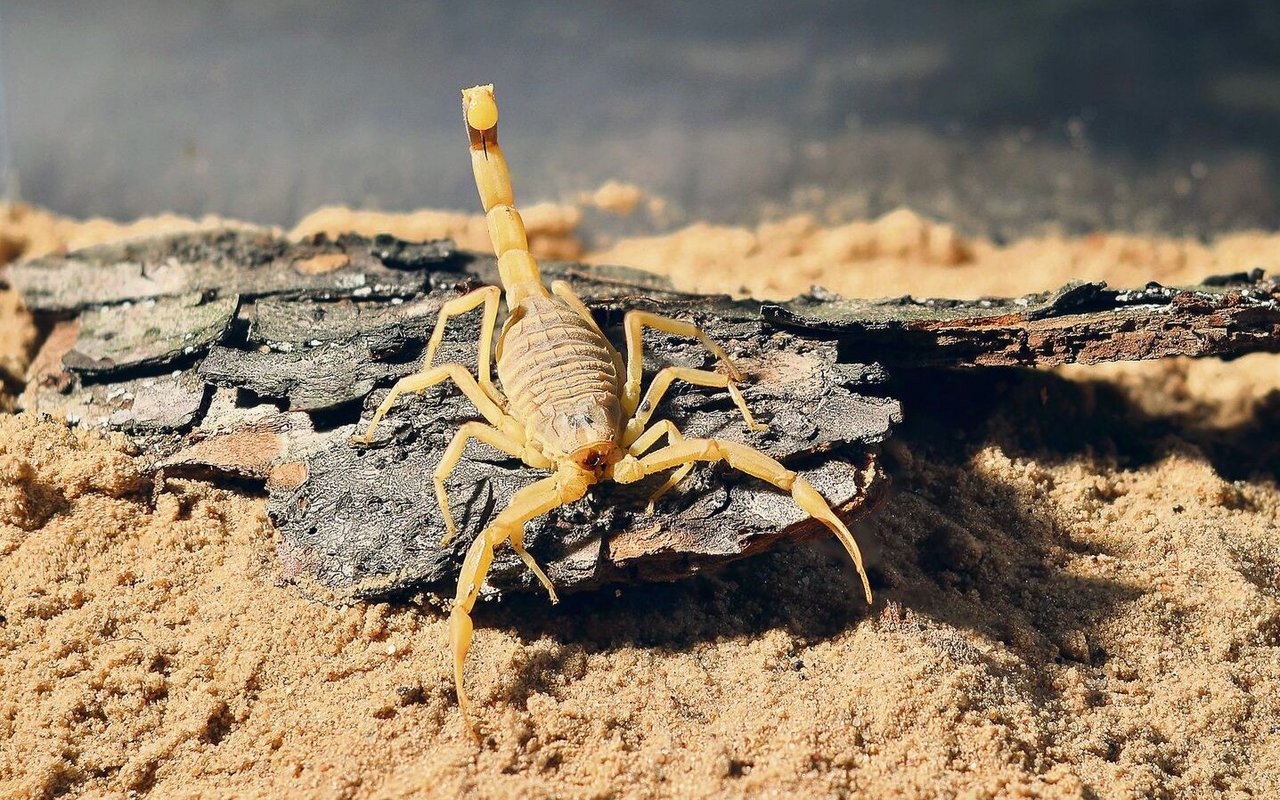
{"points": [[236, 354], [263, 356]]}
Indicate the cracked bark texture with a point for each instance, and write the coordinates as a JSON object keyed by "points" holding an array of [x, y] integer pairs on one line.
{"points": [[239, 354], [1085, 323]]}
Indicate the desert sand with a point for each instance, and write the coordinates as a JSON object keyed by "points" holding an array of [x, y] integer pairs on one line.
{"points": [[1078, 585]]}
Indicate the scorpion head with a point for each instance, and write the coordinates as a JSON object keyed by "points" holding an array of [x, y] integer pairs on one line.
{"points": [[596, 459], [585, 467]]}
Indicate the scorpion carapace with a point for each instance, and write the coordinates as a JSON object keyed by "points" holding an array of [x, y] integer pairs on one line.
{"points": [[568, 403]]}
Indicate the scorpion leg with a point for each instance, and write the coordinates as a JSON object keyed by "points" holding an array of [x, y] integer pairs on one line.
{"points": [[489, 296], [699, 377], [465, 381], [532, 501], [634, 324], [648, 439], [753, 462], [517, 544], [490, 436], [562, 290]]}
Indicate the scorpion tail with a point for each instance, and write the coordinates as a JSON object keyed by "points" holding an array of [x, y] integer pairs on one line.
{"points": [[516, 265]]}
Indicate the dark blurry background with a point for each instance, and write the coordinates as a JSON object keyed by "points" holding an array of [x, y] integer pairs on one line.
{"points": [[1002, 117]]}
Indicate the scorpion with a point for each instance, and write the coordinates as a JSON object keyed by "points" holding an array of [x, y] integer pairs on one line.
{"points": [[568, 403]]}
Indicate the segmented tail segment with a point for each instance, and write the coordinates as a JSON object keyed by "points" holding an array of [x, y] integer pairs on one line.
{"points": [[516, 265]]}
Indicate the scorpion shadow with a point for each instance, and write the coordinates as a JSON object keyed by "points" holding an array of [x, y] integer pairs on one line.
{"points": [[950, 544]]}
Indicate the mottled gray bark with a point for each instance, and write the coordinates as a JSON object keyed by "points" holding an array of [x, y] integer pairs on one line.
{"points": [[237, 353], [1085, 323]]}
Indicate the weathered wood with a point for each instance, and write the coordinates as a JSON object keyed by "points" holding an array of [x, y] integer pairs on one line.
{"points": [[275, 394], [245, 261], [161, 403], [237, 353], [1085, 323], [150, 334]]}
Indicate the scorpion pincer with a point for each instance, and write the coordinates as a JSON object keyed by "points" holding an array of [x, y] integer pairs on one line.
{"points": [[569, 404]]}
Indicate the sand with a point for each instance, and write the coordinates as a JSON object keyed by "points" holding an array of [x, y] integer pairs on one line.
{"points": [[1078, 580]]}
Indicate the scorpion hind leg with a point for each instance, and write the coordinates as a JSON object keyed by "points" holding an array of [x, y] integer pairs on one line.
{"points": [[489, 297], [634, 324], [661, 383], [439, 374]]}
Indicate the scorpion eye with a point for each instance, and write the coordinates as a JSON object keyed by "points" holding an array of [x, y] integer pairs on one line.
{"points": [[592, 460]]}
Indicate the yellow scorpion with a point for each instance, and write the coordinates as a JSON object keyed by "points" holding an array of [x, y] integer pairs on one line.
{"points": [[570, 404]]}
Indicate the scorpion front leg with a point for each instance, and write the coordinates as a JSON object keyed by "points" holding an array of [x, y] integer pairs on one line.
{"points": [[648, 439], [530, 502], [752, 462]]}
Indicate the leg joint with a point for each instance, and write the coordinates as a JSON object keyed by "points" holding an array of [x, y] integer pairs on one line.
{"points": [[497, 533]]}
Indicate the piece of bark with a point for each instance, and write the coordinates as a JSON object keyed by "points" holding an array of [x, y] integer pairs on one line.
{"points": [[324, 327], [46, 372], [154, 333], [258, 443], [147, 405], [155, 404], [1085, 323], [318, 355], [248, 262], [296, 375], [365, 521]]}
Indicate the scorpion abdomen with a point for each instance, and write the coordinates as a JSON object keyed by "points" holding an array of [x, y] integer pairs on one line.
{"points": [[558, 374]]}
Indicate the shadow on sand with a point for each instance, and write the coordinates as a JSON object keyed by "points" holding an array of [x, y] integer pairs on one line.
{"points": [[949, 545]]}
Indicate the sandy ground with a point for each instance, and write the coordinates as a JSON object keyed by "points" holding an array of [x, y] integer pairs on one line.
{"points": [[1078, 582]]}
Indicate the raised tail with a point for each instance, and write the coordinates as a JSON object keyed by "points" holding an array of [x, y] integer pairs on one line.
{"points": [[516, 265]]}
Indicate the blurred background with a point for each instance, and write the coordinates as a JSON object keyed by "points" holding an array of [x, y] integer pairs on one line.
{"points": [[1004, 118]]}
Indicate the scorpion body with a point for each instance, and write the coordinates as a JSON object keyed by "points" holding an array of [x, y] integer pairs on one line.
{"points": [[571, 397], [571, 404]]}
